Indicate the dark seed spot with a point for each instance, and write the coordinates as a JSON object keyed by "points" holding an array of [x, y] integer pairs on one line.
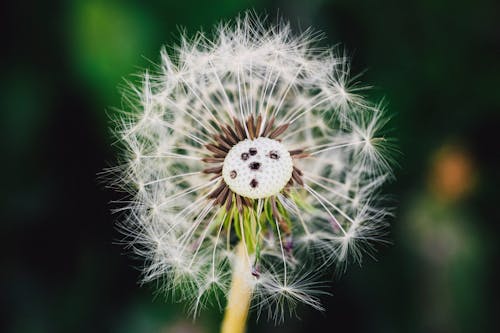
{"points": [[233, 174], [255, 272], [244, 156], [254, 166], [254, 183], [253, 151], [273, 154]]}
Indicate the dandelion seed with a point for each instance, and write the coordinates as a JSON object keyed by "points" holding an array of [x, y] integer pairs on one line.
{"points": [[248, 154]]}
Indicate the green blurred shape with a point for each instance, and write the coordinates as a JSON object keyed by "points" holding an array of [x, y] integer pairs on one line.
{"points": [[108, 40]]}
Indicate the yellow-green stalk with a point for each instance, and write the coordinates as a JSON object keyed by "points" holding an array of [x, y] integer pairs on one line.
{"points": [[240, 295]]}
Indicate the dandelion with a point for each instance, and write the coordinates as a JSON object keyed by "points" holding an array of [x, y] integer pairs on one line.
{"points": [[253, 163]]}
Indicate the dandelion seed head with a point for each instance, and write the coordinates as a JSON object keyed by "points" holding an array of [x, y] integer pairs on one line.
{"points": [[253, 136]]}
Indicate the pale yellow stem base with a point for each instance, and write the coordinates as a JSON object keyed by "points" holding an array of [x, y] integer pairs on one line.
{"points": [[240, 295]]}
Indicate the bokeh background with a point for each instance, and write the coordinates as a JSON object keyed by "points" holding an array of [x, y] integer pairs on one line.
{"points": [[435, 61]]}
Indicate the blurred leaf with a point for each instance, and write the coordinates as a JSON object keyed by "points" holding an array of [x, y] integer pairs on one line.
{"points": [[108, 40]]}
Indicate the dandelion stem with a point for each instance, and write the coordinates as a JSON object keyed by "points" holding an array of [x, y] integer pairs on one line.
{"points": [[240, 294]]}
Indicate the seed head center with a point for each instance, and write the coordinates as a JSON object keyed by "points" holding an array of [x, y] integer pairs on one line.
{"points": [[257, 168]]}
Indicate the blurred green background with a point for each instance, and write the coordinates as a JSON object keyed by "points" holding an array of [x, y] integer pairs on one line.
{"points": [[435, 61]]}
